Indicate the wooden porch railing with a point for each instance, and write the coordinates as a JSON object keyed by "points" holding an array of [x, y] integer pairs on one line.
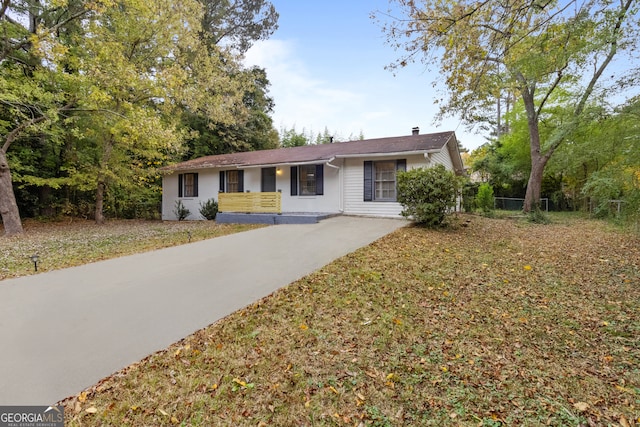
{"points": [[250, 202]]}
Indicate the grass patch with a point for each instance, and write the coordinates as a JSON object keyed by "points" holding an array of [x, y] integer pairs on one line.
{"points": [[67, 244], [497, 323]]}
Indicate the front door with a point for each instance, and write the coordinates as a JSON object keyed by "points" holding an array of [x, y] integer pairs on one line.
{"points": [[268, 180]]}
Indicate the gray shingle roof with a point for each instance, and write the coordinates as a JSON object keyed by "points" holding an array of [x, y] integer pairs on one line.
{"points": [[323, 152]]}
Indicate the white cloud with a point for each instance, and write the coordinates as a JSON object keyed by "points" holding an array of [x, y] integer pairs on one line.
{"points": [[302, 98], [312, 94]]}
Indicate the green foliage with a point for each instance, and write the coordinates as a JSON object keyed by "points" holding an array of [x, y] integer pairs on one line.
{"points": [[602, 188], [209, 209], [495, 164], [292, 138], [468, 192], [428, 195], [135, 202], [180, 211], [238, 24], [253, 130], [90, 119], [377, 417], [484, 198], [537, 54], [538, 216]]}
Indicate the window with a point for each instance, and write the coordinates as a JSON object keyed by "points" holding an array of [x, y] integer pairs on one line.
{"points": [[385, 180], [380, 179], [232, 181], [188, 185], [307, 180]]}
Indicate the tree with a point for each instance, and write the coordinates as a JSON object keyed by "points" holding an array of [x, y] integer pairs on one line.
{"points": [[117, 75], [233, 27], [238, 24], [606, 164], [292, 138], [33, 91], [253, 129], [531, 48], [325, 137], [147, 62]]}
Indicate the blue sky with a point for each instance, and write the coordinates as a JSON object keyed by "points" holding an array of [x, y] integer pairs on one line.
{"points": [[326, 66]]}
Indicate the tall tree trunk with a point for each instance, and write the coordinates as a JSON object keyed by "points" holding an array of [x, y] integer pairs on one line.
{"points": [[8, 205], [102, 180], [538, 161], [99, 214], [534, 186]]}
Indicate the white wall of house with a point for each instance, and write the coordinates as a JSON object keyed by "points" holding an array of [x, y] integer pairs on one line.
{"points": [[209, 185], [354, 203], [329, 202], [343, 188], [442, 157]]}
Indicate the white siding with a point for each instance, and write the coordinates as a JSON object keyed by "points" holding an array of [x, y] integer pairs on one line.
{"points": [[329, 202], [354, 203], [442, 157], [209, 184], [343, 188]]}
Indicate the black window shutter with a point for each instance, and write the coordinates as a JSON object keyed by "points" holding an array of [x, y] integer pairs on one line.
{"points": [[222, 176], [294, 180], [319, 180], [368, 181], [195, 185], [240, 181], [180, 185], [401, 164]]}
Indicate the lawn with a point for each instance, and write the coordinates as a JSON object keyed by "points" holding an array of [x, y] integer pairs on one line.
{"points": [[498, 322], [75, 242]]}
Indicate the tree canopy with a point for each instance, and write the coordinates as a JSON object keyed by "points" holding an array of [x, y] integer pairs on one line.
{"points": [[526, 48], [92, 93]]}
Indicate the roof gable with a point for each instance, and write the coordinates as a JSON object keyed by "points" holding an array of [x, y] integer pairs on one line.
{"points": [[326, 152]]}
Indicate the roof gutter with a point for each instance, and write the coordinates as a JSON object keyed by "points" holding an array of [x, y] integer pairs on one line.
{"points": [[395, 154], [310, 162], [328, 163]]}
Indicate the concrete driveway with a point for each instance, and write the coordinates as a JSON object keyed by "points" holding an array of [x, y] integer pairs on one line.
{"points": [[63, 331]]}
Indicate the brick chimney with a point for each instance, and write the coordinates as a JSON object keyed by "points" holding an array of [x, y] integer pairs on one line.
{"points": [[415, 131]]}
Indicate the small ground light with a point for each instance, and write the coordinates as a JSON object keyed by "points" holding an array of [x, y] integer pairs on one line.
{"points": [[34, 259]]}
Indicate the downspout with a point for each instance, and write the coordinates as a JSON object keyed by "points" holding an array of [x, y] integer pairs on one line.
{"points": [[340, 182]]}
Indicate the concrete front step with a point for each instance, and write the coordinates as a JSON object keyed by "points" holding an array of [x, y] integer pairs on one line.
{"points": [[268, 218]]}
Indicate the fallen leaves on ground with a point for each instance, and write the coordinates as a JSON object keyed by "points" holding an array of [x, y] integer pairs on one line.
{"points": [[75, 242], [405, 333]]}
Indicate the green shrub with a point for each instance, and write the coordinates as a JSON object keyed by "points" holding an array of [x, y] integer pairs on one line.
{"points": [[484, 198], [209, 209], [181, 212], [428, 195], [538, 216], [605, 186], [469, 190]]}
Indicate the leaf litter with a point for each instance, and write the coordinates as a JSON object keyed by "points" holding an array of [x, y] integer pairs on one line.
{"points": [[70, 243], [423, 327]]}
